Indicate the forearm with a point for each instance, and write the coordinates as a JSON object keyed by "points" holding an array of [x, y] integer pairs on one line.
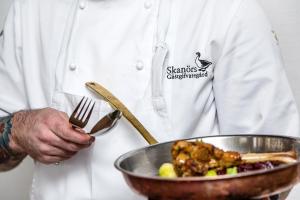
{"points": [[8, 158], [43, 134]]}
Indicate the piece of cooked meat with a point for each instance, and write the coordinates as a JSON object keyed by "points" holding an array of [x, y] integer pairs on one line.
{"points": [[196, 158]]}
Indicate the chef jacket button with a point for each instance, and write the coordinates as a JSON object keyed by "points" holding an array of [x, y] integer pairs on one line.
{"points": [[160, 106], [139, 65], [82, 5], [148, 4], [72, 67]]}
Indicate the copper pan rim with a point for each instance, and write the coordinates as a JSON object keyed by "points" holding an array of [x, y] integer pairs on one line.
{"points": [[118, 161]]}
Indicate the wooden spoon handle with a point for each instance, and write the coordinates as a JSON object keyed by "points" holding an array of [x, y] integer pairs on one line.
{"points": [[116, 103], [286, 157]]}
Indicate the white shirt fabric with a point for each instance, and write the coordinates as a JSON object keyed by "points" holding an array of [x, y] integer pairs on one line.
{"points": [[148, 54]]}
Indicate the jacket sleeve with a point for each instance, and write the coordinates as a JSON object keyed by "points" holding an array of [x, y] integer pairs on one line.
{"points": [[12, 97], [251, 89]]}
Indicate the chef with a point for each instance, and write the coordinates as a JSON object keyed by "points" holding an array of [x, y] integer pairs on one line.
{"points": [[184, 68]]}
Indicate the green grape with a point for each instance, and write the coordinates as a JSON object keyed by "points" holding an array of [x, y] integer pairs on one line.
{"points": [[167, 170], [211, 172], [231, 171]]}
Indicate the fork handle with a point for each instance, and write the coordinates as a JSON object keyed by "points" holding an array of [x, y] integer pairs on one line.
{"points": [[117, 104]]}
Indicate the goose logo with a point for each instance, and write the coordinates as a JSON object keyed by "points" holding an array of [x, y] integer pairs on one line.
{"points": [[190, 72], [201, 64]]}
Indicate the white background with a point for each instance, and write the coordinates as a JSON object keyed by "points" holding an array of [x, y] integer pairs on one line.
{"points": [[285, 17]]}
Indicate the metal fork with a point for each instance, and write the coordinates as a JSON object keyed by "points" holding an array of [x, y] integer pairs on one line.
{"points": [[81, 118]]}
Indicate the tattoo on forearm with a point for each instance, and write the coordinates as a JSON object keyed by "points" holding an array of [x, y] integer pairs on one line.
{"points": [[8, 159]]}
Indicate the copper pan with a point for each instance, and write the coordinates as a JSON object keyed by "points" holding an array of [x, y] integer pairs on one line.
{"points": [[140, 168]]}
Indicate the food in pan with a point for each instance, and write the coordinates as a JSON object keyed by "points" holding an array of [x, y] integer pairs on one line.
{"points": [[167, 170], [197, 158]]}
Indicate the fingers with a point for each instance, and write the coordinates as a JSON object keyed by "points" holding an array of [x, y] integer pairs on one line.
{"points": [[52, 149], [66, 132], [55, 141], [47, 150]]}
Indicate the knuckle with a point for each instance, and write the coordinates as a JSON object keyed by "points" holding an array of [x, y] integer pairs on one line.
{"points": [[44, 149], [47, 121], [44, 137], [58, 126], [61, 152], [61, 127], [60, 132], [55, 141], [42, 152]]}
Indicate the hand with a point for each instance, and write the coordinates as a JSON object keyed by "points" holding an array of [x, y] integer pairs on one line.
{"points": [[46, 135]]}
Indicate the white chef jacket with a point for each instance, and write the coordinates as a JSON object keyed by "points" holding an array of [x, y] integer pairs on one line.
{"points": [[184, 68]]}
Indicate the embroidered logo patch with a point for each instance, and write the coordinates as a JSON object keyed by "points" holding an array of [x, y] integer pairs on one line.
{"points": [[199, 70]]}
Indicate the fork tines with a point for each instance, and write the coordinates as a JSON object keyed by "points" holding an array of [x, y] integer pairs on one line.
{"points": [[80, 119]]}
